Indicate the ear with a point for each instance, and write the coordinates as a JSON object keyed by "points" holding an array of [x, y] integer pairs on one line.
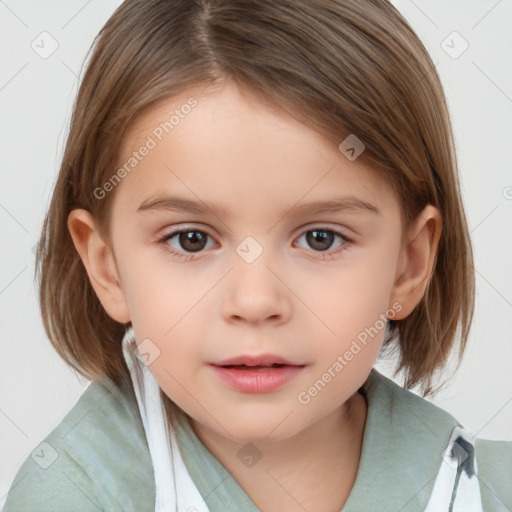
{"points": [[416, 261], [99, 263]]}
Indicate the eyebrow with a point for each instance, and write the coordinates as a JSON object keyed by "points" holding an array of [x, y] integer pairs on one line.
{"points": [[350, 204]]}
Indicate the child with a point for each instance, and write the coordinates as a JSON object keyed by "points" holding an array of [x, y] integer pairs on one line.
{"points": [[306, 149]]}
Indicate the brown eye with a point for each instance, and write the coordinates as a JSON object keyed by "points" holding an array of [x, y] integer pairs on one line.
{"points": [[192, 241], [320, 240], [323, 239], [184, 241]]}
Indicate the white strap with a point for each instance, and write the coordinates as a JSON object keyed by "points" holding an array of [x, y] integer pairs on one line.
{"points": [[174, 489], [456, 488]]}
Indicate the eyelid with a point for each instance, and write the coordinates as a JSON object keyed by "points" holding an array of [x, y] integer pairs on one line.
{"points": [[163, 242], [179, 229], [345, 241], [345, 232], [298, 231]]}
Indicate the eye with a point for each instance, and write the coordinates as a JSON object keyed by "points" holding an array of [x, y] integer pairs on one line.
{"points": [[186, 241], [322, 239]]}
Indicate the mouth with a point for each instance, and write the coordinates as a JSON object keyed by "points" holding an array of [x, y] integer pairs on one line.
{"points": [[256, 374], [258, 367], [251, 361]]}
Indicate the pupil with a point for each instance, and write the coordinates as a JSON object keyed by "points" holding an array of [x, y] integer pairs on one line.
{"points": [[192, 240], [320, 240]]}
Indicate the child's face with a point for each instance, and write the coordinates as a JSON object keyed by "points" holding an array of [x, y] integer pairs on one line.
{"points": [[259, 282]]}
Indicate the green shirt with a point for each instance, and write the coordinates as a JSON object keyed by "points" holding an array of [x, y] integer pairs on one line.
{"points": [[97, 458]]}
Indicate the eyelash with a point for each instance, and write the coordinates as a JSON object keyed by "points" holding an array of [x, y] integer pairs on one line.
{"points": [[325, 255]]}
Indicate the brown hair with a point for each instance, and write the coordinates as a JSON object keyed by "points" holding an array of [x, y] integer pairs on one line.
{"points": [[341, 66]]}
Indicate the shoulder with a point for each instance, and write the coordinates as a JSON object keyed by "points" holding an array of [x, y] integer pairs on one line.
{"points": [[408, 409], [96, 458], [417, 433], [494, 459]]}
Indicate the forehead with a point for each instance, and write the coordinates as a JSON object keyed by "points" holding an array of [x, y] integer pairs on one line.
{"points": [[226, 143]]}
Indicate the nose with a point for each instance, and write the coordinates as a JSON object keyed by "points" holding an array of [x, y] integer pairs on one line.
{"points": [[256, 294]]}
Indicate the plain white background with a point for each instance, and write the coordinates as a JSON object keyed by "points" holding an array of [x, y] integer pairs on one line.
{"points": [[38, 389]]}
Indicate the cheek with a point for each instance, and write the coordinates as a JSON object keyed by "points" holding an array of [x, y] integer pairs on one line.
{"points": [[352, 303], [180, 358], [372, 278], [156, 299], [354, 296]]}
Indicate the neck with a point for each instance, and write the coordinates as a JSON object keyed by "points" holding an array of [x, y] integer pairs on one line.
{"points": [[324, 457]]}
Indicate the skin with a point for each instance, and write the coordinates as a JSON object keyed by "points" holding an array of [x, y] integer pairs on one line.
{"points": [[294, 300]]}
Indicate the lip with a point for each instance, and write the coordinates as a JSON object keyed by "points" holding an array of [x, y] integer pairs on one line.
{"points": [[256, 380], [255, 360]]}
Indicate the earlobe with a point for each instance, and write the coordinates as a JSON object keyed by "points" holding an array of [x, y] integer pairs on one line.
{"points": [[99, 263], [417, 260]]}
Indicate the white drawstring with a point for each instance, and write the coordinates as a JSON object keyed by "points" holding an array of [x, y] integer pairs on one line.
{"points": [[174, 489], [452, 494]]}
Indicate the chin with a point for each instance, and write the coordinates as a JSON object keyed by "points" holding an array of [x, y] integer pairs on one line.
{"points": [[259, 429]]}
